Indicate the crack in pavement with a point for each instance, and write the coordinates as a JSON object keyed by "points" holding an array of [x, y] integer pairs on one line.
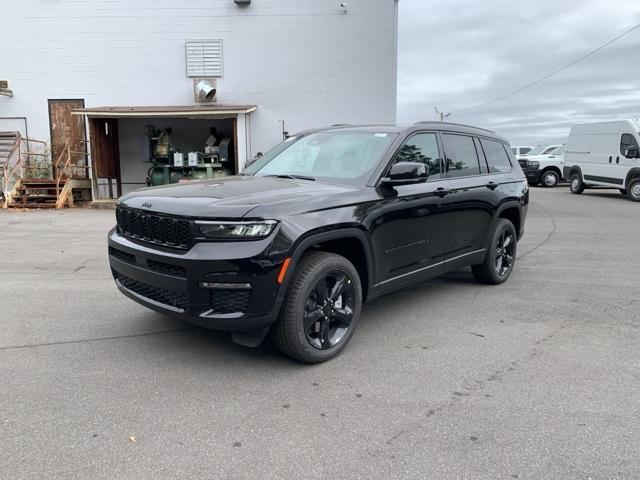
{"points": [[98, 339]]}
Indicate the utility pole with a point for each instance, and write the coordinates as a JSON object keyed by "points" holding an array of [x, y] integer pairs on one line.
{"points": [[442, 115]]}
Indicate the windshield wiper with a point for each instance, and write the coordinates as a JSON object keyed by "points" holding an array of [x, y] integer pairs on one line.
{"points": [[295, 177]]}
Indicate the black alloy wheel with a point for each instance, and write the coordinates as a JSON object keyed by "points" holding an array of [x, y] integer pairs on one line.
{"points": [[500, 256], [321, 309], [505, 250], [329, 309]]}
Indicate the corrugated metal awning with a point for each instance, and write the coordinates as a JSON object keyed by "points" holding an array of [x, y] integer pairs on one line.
{"points": [[174, 111]]}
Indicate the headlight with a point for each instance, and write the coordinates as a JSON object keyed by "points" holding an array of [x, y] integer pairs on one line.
{"points": [[533, 164], [237, 230]]}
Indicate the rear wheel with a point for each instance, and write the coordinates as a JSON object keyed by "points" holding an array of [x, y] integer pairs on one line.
{"points": [[321, 310], [549, 178], [501, 255], [634, 190], [576, 185]]}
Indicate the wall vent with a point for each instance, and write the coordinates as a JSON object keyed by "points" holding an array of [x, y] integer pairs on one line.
{"points": [[203, 58]]}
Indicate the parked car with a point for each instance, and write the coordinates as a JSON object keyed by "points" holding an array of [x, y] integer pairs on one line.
{"points": [[323, 222], [545, 168], [604, 154], [521, 151]]}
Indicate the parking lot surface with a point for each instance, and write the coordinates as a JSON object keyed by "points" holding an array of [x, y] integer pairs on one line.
{"points": [[537, 378]]}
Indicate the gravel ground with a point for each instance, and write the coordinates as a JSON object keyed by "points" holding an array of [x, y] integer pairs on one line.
{"points": [[537, 378]]}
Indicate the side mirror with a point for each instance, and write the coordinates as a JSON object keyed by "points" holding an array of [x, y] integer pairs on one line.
{"points": [[631, 152], [406, 173]]}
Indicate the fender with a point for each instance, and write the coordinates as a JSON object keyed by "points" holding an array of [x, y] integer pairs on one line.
{"points": [[501, 208], [303, 244], [568, 170], [634, 172]]}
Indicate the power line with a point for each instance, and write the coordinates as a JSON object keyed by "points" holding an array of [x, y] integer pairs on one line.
{"points": [[552, 73]]}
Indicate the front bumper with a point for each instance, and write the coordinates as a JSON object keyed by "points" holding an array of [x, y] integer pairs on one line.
{"points": [[170, 281], [533, 176]]}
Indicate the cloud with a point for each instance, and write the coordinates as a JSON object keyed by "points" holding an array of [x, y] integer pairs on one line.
{"points": [[461, 53]]}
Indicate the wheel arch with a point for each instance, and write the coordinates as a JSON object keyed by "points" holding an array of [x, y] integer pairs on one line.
{"points": [[351, 243], [512, 211], [632, 174]]}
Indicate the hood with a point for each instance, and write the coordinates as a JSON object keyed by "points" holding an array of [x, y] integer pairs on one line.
{"points": [[231, 197]]}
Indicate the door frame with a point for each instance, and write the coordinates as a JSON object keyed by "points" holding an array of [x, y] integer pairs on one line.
{"points": [[84, 128]]}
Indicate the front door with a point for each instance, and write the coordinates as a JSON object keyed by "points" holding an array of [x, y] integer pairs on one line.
{"points": [[66, 128], [411, 229]]}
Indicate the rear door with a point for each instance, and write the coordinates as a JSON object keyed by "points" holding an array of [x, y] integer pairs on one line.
{"points": [[473, 198], [410, 231]]}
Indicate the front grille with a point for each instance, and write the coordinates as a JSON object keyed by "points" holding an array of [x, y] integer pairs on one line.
{"points": [[523, 163], [122, 256], [155, 228], [230, 301], [166, 297], [166, 268]]}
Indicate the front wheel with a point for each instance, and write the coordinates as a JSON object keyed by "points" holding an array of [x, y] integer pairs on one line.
{"points": [[501, 256], [550, 179], [576, 185], [634, 190], [321, 309]]}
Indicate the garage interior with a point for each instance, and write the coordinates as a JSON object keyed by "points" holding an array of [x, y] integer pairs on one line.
{"points": [[134, 147]]}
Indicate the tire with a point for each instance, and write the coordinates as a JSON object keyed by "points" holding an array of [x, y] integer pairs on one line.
{"points": [[623, 191], [492, 270], [549, 179], [303, 302], [576, 185], [634, 190]]}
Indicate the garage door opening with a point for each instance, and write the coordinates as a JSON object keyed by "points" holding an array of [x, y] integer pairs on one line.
{"points": [[135, 147]]}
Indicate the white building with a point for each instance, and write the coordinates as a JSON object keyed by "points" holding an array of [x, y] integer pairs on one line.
{"points": [[308, 63]]}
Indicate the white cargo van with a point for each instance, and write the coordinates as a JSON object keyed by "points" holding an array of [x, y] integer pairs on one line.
{"points": [[604, 154]]}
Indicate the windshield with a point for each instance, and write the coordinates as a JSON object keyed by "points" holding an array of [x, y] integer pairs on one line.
{"points": [[538, 150], [341, 157]]}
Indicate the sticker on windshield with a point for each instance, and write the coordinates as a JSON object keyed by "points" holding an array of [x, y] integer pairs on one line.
{"points": [[383, 135]]}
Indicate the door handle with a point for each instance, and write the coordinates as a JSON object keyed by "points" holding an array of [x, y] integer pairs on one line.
{"points": [[442, 192], [617, 159], [492, 186], [610, 159]]}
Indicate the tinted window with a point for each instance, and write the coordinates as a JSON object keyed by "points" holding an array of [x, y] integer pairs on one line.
{"points": [[496, 155], [524, 150], [461, 159], [422, 148], [627, 141]]}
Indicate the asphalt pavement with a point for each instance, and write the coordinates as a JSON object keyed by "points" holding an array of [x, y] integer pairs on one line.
{"points": [[537, 378]]}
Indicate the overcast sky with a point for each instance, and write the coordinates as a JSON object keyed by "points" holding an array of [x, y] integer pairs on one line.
{"points": [[455, 54]]}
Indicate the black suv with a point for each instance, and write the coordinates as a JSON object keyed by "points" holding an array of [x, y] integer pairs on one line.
{"points": [[325, 221]]}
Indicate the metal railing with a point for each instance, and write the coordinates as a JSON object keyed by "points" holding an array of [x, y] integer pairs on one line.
{"points": [[18, 162]]}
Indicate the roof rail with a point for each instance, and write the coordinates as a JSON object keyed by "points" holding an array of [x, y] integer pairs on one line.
{"points": [[425, 122]]}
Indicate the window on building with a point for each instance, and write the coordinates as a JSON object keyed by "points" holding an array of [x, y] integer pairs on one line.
{"points": [[422, 148], [496, 155], [461, 159], [203, 58], [627, 141]]}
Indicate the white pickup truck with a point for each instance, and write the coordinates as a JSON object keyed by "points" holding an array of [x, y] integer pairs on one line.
{"points": [[544, 165]]}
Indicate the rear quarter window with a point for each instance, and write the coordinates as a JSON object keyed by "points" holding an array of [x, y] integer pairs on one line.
{"points": [[497, 157]]}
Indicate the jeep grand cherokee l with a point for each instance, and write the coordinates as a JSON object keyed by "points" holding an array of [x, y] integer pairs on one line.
{"points": [[325, 221]]}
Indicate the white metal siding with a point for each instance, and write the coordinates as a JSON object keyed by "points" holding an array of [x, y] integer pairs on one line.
{"points": [[302, 61]]}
